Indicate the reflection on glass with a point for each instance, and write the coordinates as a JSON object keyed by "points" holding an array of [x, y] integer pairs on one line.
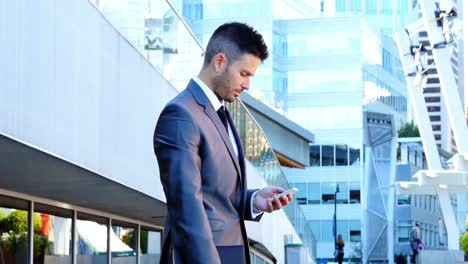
{"points": [[354, 193], [328, 156], [150, 246], [354, 156], [355, 230], [341, 155], [342, 229], [54, 240], [301, 196], [14, 235], [328, 193], [314, 193], [404, 199], [92, 239], [156, 31], [342, 196], [123, 244], [315, 156]]}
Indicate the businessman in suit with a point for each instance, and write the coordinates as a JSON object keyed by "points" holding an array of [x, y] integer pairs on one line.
{"points": [[201, 160]]}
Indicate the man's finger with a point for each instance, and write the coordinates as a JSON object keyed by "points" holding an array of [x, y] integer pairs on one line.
{"points": [[270, 206], [277, 203]]}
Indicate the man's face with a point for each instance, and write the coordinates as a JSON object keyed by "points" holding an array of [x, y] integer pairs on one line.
{"points": [[234, 78]]}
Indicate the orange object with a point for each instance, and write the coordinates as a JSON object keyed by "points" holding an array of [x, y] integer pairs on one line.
{"points": [[46, 224]]}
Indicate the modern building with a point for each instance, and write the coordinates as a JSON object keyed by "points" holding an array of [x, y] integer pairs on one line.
{"points": [[334, 86], [78, 173], [417, 209], [390, 16]]}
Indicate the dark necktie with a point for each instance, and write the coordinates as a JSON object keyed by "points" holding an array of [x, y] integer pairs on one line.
{"points": [[222, 113]]}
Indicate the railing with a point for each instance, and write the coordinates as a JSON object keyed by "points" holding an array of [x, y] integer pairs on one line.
{"points": [[168, 44]]}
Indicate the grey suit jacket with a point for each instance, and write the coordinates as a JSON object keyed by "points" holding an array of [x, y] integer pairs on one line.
{"points": [[204, 183]]}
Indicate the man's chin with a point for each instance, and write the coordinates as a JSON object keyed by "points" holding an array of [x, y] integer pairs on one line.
{"points": [[230, 99]]}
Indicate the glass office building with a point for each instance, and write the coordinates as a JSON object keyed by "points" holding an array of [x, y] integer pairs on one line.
{"points": [[334, 71]]}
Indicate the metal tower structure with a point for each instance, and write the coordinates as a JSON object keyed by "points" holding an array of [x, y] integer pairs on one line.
{"points": [[438, 20]]}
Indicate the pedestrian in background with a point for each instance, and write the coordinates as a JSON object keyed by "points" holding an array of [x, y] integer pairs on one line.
{"points": [[340, 249], [415, 241]]}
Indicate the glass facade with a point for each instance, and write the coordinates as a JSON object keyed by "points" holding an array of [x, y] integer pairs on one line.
{"points": [[391, 16], [349, 229], [53, 240], [55, 237], [334, 155], [315, 193], [14, 231]]}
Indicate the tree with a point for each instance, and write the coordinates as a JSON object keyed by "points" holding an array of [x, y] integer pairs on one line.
{"points": [[409, 130], [464, 242]]}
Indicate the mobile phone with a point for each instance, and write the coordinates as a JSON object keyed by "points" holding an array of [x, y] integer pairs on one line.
{"points": [[292, 190]]}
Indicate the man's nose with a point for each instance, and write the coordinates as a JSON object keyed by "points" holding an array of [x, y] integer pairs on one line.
{"points": [[246, 84]]}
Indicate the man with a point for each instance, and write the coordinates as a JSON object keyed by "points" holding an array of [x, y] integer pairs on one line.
{"points": [[201, 161]]}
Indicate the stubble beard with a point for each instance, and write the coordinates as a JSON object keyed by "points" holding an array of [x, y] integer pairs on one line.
{"points": [[222, 87]]}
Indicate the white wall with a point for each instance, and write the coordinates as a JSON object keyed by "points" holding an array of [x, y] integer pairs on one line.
{"points": [[71, 85]]}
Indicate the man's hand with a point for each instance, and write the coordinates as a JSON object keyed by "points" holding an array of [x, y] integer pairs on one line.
{"points": [[266, 199]]}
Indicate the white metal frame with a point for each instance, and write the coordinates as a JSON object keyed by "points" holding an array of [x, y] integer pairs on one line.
{"points": [[436, 180]]}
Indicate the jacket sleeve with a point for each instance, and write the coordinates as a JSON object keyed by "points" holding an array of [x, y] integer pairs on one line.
{"points": [[176, 141]]}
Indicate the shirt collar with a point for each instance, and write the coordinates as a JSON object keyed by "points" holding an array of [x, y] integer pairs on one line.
{"points": [[209, 93]]}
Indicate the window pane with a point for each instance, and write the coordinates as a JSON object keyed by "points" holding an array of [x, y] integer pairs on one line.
{"points": [[354, 193], [403, 199], [300, 196], [328, 193], [341, 155], [92, 239], [403, 233], [150, 246], [327, 156], [354, 231], [327, 231], [315, 226], [315, 156], [343, 229], [314, 193], [342, 196], [123, 243], [14, 230], [354, 156], [53, 241]]}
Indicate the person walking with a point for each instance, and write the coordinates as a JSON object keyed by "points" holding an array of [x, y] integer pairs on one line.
{"points": [[415, 241], [340, 249]]}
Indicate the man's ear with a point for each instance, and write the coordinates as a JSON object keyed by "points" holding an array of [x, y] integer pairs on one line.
{"points": [[220, 62]]}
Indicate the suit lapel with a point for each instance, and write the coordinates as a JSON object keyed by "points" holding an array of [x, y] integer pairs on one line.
{"points": [[201, 98]]}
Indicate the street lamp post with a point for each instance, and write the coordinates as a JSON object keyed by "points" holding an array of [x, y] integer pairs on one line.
{"points": [[334, 217]]}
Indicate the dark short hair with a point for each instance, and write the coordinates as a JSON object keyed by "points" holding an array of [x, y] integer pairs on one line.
{"points": [[234, 40], [417, 225]]}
